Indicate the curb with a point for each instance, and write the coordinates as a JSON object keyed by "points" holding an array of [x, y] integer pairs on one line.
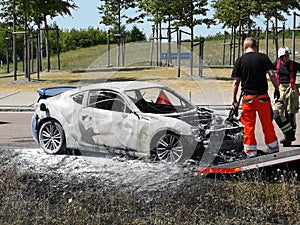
{"points": [[16, 109]]}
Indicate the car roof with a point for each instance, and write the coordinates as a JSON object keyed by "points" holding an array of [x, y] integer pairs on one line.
{"points": [[123, 85]]}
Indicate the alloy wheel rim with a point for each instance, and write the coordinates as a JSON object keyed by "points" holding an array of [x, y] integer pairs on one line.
{"points": [[51, 138], [169, 149]]}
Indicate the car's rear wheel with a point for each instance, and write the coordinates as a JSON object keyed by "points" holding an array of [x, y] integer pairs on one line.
{"points": [[169, 147], [52, 137]]}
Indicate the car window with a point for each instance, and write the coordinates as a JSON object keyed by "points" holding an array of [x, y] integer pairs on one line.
{"points": [[78, 98], [107, 100], [158, 100]]}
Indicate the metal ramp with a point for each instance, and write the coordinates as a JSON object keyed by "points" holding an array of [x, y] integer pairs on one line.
{"points": [[282, 157]]}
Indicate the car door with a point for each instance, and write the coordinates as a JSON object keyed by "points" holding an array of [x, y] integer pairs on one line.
{"points": [[107, 121]]}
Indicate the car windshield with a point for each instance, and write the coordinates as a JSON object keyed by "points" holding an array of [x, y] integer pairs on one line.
{"points": [[159, 101]]}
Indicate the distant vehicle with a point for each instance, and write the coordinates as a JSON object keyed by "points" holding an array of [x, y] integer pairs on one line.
{"points": [[134, 117]]}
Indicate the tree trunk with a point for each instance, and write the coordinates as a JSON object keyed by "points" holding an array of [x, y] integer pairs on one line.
{"points": [[26, 45], [192, 51], [169, 44], [47, 44], [15, 65], [39, 50]]}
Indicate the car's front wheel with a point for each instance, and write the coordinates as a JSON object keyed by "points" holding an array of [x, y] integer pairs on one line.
{"points": [[169, 147], [52, 137]]}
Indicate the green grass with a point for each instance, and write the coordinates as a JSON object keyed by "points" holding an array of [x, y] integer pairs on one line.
{"points": [[140, 54], [48, 199], [137, 55]]}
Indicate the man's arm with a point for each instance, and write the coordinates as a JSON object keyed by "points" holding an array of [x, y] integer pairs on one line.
{"points": [[236, 84], [273, 78]]}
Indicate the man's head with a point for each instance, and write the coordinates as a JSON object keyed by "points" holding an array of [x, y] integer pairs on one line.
{"points": [[250, 43], [284, 53]]}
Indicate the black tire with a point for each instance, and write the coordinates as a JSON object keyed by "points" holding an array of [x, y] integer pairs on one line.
{"points": [[52, 138], [170, 148]]}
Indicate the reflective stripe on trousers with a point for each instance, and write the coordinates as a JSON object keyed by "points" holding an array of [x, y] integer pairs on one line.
{"points": [[250, 148], [260, 104]]}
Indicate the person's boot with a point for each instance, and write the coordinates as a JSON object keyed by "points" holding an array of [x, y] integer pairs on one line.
{"points": [[287, 141]]}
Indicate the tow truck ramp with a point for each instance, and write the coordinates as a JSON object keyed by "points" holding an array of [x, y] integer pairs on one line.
{"points": [[248, 164]]}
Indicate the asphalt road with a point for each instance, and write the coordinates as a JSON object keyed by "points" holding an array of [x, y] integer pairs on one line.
{"points": [[15, 129]]}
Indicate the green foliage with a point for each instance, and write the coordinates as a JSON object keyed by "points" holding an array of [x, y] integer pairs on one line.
{"points": [[35, 11], [113, 12], [83, 38], [228, 11], [231, 12], [68, 39], [73, 39], [3, 29], [191, 13], [178, 13], [218, 36], [135, 35]]}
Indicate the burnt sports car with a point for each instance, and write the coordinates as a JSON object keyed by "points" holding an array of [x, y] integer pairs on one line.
{"points": [[133, 117]]}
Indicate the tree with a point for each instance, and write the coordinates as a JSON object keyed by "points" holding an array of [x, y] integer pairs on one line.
{"points": [[113, 12], [230, 12], [41, 9], [189, 13], [33, 12], [17, 13], [276, 9], [233, 13], [135, 35], [3, 41]]}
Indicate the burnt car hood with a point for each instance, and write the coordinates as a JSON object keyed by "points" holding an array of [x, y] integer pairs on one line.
{"points": [[195, 117]]}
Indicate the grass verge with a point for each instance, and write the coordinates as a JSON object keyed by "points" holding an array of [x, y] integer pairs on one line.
{"points": [[49, 199], [164, 75]]}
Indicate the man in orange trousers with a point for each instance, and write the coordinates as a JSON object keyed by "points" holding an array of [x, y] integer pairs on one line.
{"points": [[250, 70]]}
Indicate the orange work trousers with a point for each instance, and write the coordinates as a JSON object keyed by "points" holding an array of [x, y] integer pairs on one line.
{"points": [[251, 105]]}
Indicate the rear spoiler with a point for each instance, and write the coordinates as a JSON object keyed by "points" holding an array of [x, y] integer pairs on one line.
{"points": [[52, 91]]}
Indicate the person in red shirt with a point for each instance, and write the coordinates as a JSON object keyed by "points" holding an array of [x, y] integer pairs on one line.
{"points": [[250, 70], [287, 105]]}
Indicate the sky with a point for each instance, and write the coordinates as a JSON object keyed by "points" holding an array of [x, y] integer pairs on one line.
{"points": [[87, 15]]}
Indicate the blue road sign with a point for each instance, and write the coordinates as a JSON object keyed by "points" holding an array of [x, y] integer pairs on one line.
{"points": [[183, 55]]}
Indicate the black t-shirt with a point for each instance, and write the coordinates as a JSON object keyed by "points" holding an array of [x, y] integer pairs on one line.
{"points": [[252, 68], [284, 71]]}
